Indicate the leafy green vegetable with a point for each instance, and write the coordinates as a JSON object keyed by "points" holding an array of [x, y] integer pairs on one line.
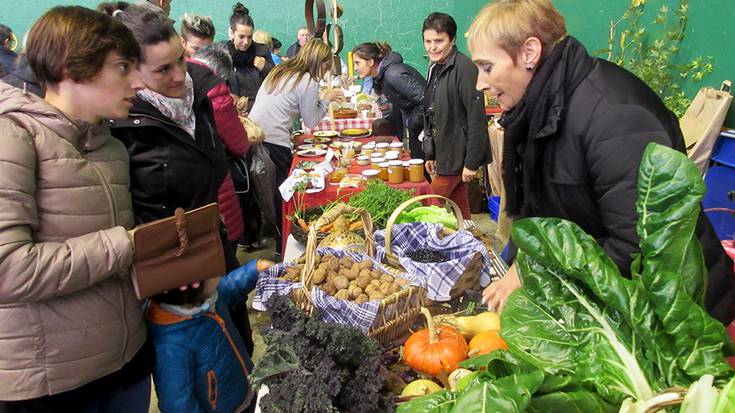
{"points": [[598, 340], [439, 402], [673, 270], [314, 367], [432, 214], [380, 200], [508, 394], [625, 338]]}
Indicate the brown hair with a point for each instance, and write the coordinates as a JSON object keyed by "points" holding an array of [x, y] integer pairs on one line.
{"points": [[309, 60], [74, 41], [148, 27], [240, 15], [372, 50], [509, 23], [199, 26]]}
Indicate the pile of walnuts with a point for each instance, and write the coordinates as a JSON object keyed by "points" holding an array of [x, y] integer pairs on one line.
{"points": [[346, 279]]}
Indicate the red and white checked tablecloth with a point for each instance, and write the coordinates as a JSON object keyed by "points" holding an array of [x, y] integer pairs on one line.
{"points": [[341, 124]]}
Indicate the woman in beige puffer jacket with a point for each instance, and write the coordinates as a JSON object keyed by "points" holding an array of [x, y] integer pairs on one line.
{"points": [[69, 320]]}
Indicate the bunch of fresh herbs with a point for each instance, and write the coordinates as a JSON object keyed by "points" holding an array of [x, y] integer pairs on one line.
{"points": [[380, 200]]}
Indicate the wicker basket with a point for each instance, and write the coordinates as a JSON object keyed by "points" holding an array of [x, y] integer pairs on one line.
{"points": [[470, 280], [395, 313]]}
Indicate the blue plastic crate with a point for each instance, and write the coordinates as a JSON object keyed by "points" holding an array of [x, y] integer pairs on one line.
{"points": [[493, 205], [724, 150]]}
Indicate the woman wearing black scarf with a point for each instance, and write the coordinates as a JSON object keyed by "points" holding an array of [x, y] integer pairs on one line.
{"points": [[575, 131], [251, 62]]}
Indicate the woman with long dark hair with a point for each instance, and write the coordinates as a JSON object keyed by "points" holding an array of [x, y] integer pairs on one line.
{"points": [[251, 61], [400, 83]]}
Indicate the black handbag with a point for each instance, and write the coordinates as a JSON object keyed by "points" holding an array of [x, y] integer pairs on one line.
{"points": [[428, 146], [240, 175]]}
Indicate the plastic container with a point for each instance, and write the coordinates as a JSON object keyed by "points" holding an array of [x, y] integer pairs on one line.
{"points": [[363, 160], [395, 172], [396, 146], [382, 147], [493, 205]]}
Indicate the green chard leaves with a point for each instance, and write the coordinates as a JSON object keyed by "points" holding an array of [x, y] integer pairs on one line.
{"points": [[584, 338]]}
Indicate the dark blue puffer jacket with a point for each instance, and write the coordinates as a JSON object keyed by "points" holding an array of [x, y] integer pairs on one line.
{"points": [[201, 361]]}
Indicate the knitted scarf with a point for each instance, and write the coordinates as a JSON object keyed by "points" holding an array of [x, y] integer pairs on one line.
{"points": [[535, 117]]}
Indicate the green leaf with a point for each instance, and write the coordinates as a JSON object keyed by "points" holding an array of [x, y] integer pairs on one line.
{"points": [[606, 346], [726, 399], [498, 364], [669, 191], [582, 401], [511, 394], [439, 402]]}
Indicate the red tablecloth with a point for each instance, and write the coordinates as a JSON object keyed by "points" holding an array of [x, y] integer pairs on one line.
{"points": [[331, 192], [341, 124]]}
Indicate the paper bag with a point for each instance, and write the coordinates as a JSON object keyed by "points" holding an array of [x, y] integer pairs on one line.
{"points": [[702, 122]]}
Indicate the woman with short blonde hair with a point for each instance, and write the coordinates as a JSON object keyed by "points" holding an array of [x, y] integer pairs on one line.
{"points": [[575, 130]]}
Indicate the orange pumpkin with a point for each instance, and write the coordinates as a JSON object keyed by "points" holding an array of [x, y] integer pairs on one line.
{"points": [[435, 351], [486, 342]]}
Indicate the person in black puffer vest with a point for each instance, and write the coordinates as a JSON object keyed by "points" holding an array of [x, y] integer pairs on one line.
{"points": [[400, 83], [575, 131]]}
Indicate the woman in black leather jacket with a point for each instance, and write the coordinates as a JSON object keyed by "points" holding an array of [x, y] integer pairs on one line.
{"points": [[400, 83]]}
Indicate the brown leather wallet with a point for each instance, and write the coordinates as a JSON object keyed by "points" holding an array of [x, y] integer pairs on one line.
{"points": [[177, 251]]}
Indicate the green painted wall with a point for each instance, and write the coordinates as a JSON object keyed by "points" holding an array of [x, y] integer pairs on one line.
{"points": [[710, 29]]}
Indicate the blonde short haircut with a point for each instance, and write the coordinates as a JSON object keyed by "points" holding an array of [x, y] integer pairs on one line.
{"points": [[263, 37], [509, 23]]}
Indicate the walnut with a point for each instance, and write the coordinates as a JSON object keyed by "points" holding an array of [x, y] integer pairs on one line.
{"points": [[343, 295], [361, 299], [341, 282], [363, 280]]}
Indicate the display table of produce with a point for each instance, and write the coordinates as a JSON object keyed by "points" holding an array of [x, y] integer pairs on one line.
{"points": [[577, 337], [333, 192]]}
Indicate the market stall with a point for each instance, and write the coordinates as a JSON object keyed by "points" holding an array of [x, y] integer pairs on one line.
{"points": [[577, 337]]}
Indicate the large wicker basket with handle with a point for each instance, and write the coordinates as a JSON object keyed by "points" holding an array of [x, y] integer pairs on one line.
{"points": [[396, 312], [470, 280]]}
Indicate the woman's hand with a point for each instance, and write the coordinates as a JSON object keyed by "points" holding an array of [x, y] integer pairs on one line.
{"points": [[468, 174], [496, 294], [259, 62], [430, 167], [334, 95]]}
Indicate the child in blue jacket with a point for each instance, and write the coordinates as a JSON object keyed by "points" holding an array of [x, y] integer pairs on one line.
{"points": [[201, 361]]}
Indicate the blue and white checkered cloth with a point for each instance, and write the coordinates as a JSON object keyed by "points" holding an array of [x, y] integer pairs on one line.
{"points": [[333, 309], [437, 278]]}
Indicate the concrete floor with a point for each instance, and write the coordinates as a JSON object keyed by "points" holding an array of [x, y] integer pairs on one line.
{"points": [[261, 320]]}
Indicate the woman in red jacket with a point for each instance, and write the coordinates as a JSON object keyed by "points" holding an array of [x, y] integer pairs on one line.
{"points": [[229, 129]]}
